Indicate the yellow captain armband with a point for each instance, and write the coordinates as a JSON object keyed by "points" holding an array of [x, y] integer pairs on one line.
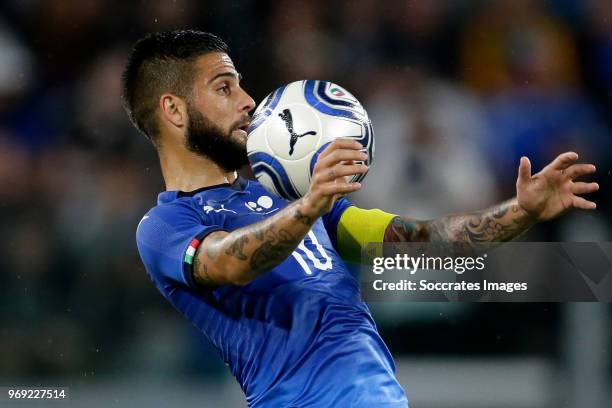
{"points": [[358, 227]]}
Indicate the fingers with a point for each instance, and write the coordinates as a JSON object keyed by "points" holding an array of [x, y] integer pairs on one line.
{"points": [[584, 188], [524, 169], [577, 170], [341, 143], [334, 164], [331, 188], [579, 202], [563, 160], [338, 155], [341, 170]]}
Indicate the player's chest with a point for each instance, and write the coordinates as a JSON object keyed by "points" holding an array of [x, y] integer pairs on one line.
{"points": [[241, 209]]}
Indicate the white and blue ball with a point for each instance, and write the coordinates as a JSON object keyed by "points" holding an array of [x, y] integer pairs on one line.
{"points": [[294, 124]]}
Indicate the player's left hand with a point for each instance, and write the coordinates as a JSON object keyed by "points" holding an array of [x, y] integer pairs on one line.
{"points": [[553, 190]]}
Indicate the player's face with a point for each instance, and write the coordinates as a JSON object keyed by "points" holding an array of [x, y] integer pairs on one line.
{"points": [[219, 112]]}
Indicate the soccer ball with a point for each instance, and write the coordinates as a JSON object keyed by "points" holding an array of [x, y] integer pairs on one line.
{"points": [[294, 124]]}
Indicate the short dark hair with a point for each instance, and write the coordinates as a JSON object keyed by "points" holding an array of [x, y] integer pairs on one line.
{"points": [[162, 62]]}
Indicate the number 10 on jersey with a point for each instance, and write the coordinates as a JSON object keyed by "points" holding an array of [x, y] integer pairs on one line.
{"points": [[311, 250]]}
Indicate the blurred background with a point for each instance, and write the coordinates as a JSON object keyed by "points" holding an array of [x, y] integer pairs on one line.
{"points": [[457, 92]]}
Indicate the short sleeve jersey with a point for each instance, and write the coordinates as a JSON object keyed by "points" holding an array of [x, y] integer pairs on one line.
{"points": [[299, 335]]}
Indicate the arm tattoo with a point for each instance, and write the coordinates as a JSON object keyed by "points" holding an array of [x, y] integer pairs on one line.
{"points": [[277, 246], [236, 248], [200, 271], [304, 219], [259, 234], [403, 229], [254, 249], [497, 224]]}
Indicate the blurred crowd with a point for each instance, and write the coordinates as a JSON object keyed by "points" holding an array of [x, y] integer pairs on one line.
{"points": [[457, 92]]}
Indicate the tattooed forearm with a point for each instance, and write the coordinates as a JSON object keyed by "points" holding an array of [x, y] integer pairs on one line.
{"points": [[277, 246], [497, 224], [236, 248], [248, 252], [304, 219], [403, 229]]}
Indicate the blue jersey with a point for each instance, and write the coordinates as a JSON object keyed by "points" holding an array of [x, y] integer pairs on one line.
{"points": [[298, 336]]}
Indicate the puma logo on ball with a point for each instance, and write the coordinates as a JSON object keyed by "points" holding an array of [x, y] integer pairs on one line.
{"points": [[288, 119]]}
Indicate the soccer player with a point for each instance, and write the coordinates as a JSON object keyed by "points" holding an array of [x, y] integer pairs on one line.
{"points": [[263, 278]]}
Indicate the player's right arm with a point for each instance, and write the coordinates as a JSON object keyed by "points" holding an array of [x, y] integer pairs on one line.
{"points": [[240, 256]]}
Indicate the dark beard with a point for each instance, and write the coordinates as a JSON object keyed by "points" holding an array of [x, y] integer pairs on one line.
{"points": [[206, 139]]}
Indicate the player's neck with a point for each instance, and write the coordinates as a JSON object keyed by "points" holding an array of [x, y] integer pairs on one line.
{"points": [[186, 171]]}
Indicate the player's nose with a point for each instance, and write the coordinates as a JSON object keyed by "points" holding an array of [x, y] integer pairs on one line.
{"points": [[247, 103]]}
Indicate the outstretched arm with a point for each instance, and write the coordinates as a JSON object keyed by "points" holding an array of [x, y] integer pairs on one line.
{"points": [[540, 197], [496, 224]]}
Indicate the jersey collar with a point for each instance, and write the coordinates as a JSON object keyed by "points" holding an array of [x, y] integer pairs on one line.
{"points": [[167, 196]]}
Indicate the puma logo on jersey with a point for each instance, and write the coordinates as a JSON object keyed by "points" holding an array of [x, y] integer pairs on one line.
{"points": [[208, 208]]}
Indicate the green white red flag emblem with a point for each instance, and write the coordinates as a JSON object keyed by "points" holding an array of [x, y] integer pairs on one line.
{"points": [[190, 253], [336, 91]]}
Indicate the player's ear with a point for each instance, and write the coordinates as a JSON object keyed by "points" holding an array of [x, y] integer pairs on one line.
{"points": [[173, 109]]}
